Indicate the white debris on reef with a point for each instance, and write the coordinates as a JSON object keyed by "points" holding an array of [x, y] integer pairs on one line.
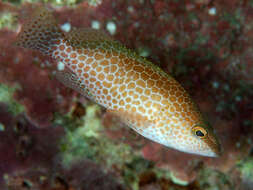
{"points": [[60, 66], [16, 60], [212, 11], [238, 98], [136, 24], [130, 9], [95, 24], [144, 52], [2, 127], [215, 84], [66, 27], [111, 27], [8, 20], [94, 2]]}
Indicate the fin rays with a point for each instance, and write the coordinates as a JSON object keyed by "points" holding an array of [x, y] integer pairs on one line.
{"points": [[40, 31]]}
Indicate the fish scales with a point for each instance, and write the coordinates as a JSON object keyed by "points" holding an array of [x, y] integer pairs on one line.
{"points": [[118, 82], [146, 98]]}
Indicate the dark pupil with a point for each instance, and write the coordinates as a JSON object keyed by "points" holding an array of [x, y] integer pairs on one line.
{"points": [[199, 133]]}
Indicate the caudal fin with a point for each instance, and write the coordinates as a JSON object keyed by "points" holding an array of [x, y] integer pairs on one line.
{"points": [[40, 31]]}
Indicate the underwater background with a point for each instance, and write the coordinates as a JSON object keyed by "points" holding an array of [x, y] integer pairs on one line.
{"points": [[52, 138]]}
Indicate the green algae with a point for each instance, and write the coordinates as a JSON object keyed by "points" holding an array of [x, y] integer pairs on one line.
{"points": [[80, 137], [8, 20], [52, 2], [88, 140], [201, 39], [210, 179], [6, 96], [177, 180], [133, 169], [235, 19], [246, 169], [169, 175], [56, 2]]}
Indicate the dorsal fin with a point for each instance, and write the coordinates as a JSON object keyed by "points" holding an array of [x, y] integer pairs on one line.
{"points": [[88, 38], [82, 36]]}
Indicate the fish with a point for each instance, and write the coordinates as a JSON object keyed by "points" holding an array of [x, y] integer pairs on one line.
{"points": [[139, 93]]}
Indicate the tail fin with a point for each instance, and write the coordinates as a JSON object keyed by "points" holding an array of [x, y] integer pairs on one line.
{"points": [[40, 31]]}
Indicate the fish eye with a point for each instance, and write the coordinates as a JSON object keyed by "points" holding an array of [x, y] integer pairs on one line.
{"points": [[199, 131]]}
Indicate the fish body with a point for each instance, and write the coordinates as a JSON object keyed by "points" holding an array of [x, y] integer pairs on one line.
{"points": [[143, 96]]}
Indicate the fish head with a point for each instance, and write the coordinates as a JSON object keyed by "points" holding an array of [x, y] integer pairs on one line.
{"points": [[196, 137], [204, 140]]}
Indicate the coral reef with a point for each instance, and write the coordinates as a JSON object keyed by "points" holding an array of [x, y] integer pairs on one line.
{"points": [[52, 138]]}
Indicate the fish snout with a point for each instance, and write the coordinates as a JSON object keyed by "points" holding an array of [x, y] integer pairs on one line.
{"points": [[215, 146]]}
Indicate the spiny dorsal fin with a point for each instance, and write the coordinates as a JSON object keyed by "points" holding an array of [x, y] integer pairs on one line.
{"points": [[89, 38], [82, 36]]}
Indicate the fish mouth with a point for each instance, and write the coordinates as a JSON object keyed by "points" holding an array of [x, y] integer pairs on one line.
{"points": [[217, 151], [214, 152], [214, 146], [213, 155]]}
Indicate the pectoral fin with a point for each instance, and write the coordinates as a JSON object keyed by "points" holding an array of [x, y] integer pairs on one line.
{"points": [[70, 80], [134, 120]]}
